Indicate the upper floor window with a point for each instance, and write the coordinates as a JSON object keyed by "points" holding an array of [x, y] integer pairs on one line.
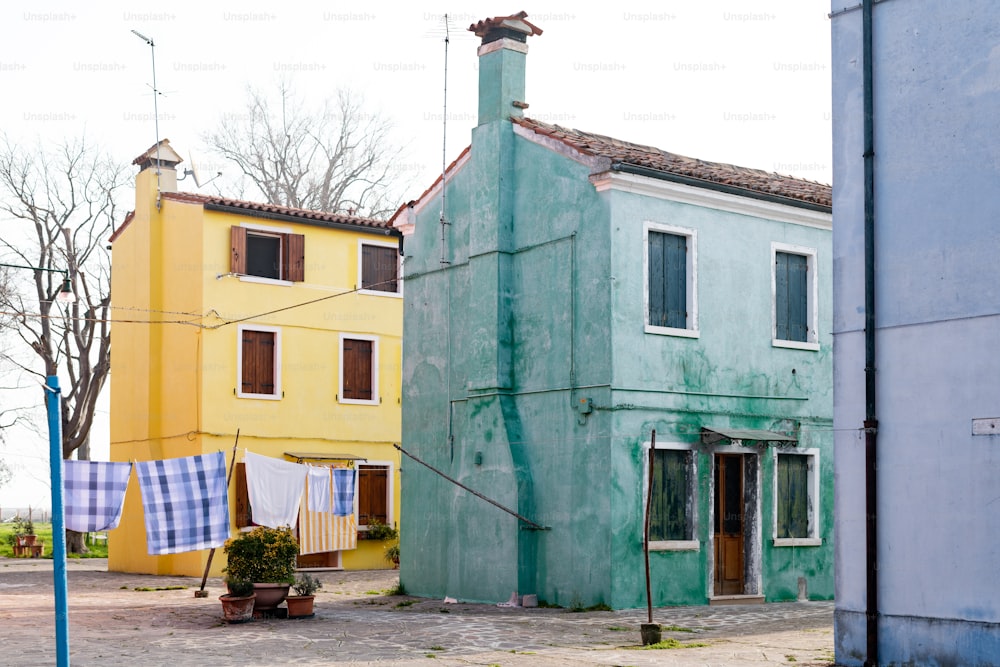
{"points": [[794, 307], [259, 362], [269, 253], [378, 267], [358, 369], [670, 280]]}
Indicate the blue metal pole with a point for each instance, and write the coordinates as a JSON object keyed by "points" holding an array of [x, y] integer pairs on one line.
{"points": [[53, 406]]}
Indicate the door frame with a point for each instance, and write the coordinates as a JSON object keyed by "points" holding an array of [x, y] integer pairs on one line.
{"points": [[752, 555]]}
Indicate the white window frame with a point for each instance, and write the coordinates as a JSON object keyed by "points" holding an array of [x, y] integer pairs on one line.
{"points": [[264, 230], [376, 398], [812, 294], [691, 331], [240, 328], [675, 545], [814, 539], [398, 294], [390, 491]]}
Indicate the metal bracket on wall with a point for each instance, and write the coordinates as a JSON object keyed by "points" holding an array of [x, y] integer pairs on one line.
{"points": [[583, 406]]}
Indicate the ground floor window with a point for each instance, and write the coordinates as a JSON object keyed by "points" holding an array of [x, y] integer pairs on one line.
{"points": [[796, 497], [671, 510], [374, 498]]}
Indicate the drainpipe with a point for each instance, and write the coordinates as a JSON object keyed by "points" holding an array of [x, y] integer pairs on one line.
{"points": [[871, 421]]}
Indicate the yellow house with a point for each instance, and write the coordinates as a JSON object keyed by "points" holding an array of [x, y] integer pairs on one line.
{"points": [[281, 325]]}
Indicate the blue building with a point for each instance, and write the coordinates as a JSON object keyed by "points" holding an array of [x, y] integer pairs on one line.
{"points": [[920, 588], [568, 294]]}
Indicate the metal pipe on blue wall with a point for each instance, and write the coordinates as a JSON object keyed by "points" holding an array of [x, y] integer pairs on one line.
{"points": [[871, 419], [53, 406]]}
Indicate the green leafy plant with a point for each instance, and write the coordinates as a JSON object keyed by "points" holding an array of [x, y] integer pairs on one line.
{"points": [[262, 555], [20, 526], [239, 588], [392, 554], [380, 531], [306, 584]]}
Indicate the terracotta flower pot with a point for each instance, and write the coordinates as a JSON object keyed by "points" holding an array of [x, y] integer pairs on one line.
{"points": [[300, 606], [237, 609], [269, 596]]}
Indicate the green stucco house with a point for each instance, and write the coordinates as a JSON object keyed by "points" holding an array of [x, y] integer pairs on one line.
{"points": [[566, 296]]}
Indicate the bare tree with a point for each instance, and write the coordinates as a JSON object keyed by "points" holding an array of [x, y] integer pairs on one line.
{"points": [[336, 158], [59, 208]]}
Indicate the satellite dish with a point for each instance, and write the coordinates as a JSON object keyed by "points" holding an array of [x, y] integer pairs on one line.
{"points": [[196, 174]]}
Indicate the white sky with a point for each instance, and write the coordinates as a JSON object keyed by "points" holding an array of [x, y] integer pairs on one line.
{"points": [[739, 81]]}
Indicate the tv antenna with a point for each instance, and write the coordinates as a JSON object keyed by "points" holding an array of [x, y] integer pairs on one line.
{"points": [[156, 112]]}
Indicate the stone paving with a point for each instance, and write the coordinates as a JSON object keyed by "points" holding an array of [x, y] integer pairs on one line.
{"points": [[131, 619]]}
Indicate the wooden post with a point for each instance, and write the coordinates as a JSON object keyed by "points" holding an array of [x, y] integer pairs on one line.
{"points": [[201, 593]]}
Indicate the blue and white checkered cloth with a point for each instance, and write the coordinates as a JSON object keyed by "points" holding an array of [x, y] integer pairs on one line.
{"points": [[343, 491], [94, 494], [186, 502]]}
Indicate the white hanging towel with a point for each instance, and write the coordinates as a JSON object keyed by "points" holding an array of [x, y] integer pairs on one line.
{"points": [[275, 488], [319, 489]]}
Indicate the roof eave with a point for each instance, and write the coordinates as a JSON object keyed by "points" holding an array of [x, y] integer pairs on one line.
{"points": [[649, 172]]}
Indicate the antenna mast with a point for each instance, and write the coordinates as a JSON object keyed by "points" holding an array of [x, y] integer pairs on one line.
{"points": [[444, 142], [156, 112]]}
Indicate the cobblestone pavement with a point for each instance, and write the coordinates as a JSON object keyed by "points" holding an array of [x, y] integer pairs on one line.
{"points": [[131, 619]]}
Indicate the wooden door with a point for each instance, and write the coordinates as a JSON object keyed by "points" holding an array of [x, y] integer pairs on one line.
{"points": [[729, 525]]}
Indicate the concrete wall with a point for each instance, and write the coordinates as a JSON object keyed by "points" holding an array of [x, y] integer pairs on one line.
{"points": [[937, 290]]}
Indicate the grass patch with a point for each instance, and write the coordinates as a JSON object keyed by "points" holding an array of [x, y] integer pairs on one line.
{"points": [[618, 628], [437, 648], [791, 658], [542, 604], [395, 590], [665, 644], [99, 549], [405, 603], [600, 606], [675, 628]]}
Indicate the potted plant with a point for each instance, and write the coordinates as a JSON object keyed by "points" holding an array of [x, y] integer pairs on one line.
{"points": [[266, 557], [300, 605], [237, 604], [380, 531], [392, 555], [24, 531]]}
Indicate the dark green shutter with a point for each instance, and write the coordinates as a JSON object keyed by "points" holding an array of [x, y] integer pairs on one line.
{"points": [[669, 507], [667, 280], [793, 496], [791, 297]]}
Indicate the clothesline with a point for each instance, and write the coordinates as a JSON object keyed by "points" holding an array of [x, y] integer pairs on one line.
{"points": [[186, 500]]}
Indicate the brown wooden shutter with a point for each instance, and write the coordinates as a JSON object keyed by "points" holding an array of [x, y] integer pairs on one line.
{"points": [[238, 256], [357, 369], [372, 495], [379, 268], [258, 362], [243, 513], [295, 257]]}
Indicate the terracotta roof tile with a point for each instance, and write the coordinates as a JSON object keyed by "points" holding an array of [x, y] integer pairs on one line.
{"points": [[618, 151], [514, 21], [304, 214]]}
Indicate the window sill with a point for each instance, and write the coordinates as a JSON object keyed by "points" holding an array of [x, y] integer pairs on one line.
{"points": [[264, 281], [675, 545], [356, 401], [795, 345], [670, 331], [266, 397], [798, 542], [375, 292]]}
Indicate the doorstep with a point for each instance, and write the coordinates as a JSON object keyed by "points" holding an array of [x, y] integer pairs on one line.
{"points": [[735, 599]]}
